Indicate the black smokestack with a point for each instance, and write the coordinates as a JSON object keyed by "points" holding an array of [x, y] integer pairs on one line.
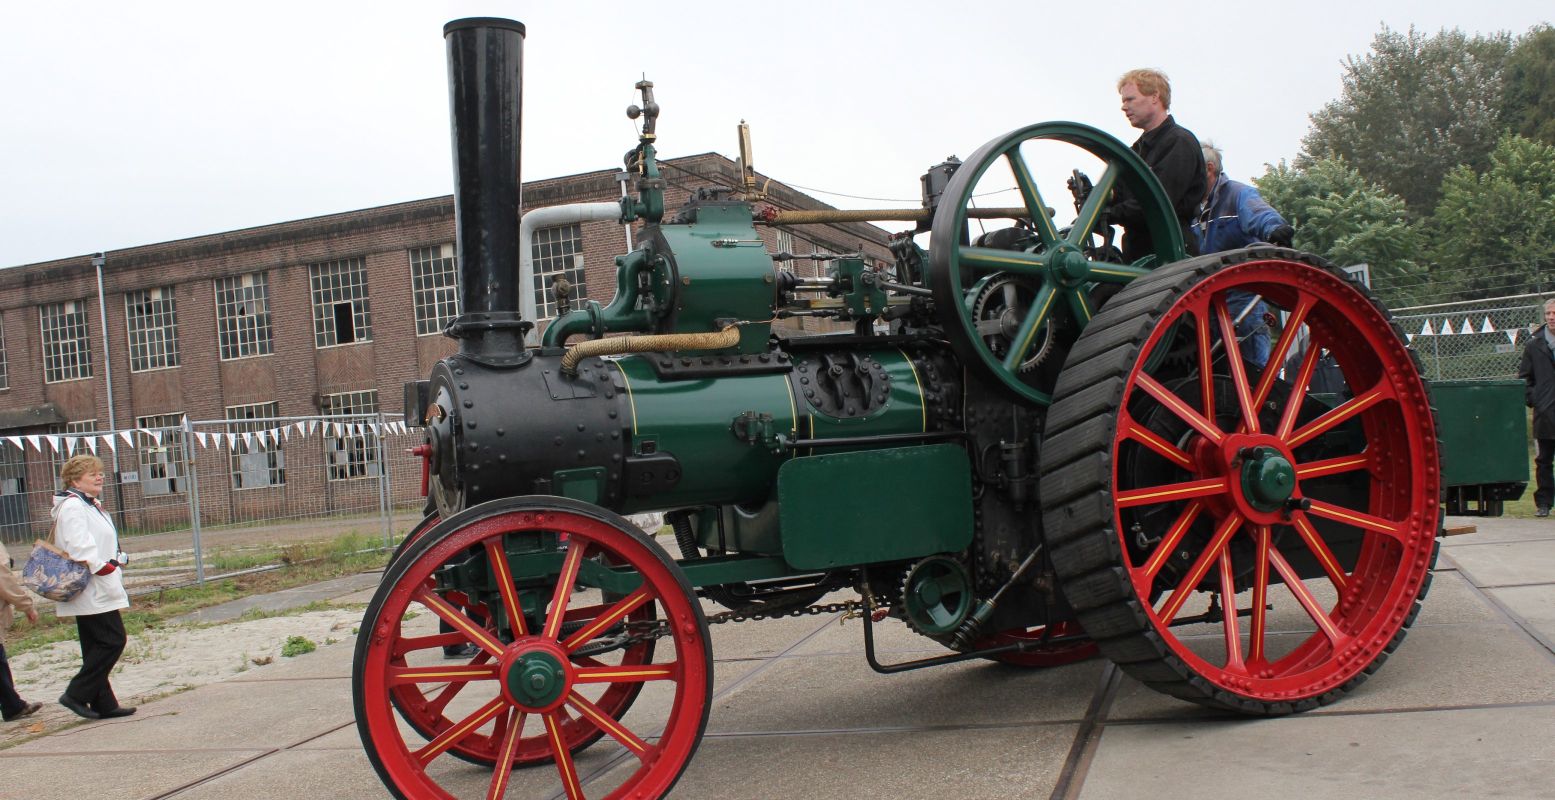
{"points": [[485, 102]]}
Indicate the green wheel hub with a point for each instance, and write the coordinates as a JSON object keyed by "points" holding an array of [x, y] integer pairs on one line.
{"points": [[537, 679], [1268, 479]]}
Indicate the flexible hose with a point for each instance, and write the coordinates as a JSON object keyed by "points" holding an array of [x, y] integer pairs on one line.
{"points": [[616, 345]]}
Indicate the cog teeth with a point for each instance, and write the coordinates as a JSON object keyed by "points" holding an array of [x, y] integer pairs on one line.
{"points": [[994, 292]]}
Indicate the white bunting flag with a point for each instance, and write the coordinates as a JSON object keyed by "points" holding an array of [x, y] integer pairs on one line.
{"points": [[128, 437], [91, 444], [202, 438], [1466, 327], [156, 436], [232, 441], [286, 432], [53, 442], [113, 444], [248, 441], [35, 441], [1409, 337], [1486, 327], [1511, 335], [312, 426], [16, 441], [1425, 330]]}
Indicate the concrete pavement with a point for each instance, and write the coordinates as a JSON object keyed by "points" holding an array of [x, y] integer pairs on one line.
{"points": [[1466, 707]]}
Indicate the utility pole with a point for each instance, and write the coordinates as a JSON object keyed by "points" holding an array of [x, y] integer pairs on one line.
{"points": [[98, 259]]}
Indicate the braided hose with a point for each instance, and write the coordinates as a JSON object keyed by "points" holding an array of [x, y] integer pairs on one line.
{"points": [[728, 337]]}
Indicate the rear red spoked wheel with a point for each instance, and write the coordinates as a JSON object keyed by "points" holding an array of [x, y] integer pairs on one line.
{"points": [[1304, 509], [1056, 646], [544, 686]]}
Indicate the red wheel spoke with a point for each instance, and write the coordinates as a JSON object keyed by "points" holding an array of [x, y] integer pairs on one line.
{"points": [[1168, 544], [1085, 222], [1169, 492], [1183, 411], [459, 730], [399, 676], [504, 577], [1259, 626], [1332, 466], [1158, 445], [1020, 345], [1305, 598], [1344, 411], [564, 583], [1359, 519], [616, 613], [564, 765], [1271, 368], [503, 770], [1298, 389], [453, 616], [1229, 626], [627, 674], [1206, 364], [1319, 548], [1200, 566], [986, 259], [1244, 392], [1080, 304], [608, 724], [1032, 197]]}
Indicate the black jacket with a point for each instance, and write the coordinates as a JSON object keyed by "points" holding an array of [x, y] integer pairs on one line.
{"points": [[1175, 157], [1537, 369]]}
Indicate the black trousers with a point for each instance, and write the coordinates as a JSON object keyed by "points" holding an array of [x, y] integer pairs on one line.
{"points": [[10, 702], [1543, 473], [102, 642]]}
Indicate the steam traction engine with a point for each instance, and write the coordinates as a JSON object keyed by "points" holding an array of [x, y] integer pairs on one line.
{"points": [[1044, 454]]}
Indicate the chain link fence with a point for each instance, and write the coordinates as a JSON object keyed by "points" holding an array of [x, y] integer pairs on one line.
{"points": [[1474, 339], [203, 498]]}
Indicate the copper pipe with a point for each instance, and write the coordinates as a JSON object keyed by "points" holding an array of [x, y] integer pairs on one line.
{"points": [[808, 217], [615, 345]]}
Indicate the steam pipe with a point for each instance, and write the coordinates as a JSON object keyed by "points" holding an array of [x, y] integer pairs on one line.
{"points": [[812, 216], [485, 102], [545, 218]]}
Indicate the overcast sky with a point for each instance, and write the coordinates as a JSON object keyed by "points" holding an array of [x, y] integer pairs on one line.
{"points": [[134, 123]]}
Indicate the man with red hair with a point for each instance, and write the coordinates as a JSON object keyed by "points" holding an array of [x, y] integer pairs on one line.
{"points": [[1171, 151]]}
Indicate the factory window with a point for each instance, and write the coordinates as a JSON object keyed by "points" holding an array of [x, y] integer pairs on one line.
{"points": [[152, 325], [340, 311], [161, 445], [557, 253], [66, 353], [434, 285], [5, 381], [351, 447], [256, 458], [243, 316]]}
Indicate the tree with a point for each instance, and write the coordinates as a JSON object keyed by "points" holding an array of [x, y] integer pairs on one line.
{"points": [[1349, 220], [1529, 101], [1494, 232], [1413, 108]]}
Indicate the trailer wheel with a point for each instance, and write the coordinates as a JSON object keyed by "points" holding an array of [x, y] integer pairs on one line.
{"points": [[536, 694], [1307, 518]]}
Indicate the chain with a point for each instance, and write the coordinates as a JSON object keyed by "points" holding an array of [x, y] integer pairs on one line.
{"points": [[647, 630]]}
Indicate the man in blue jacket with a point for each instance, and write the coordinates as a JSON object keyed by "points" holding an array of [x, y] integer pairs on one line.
{"points": [[1234, 215]]}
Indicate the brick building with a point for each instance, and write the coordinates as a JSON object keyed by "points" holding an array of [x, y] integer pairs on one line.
{"points": [[315, 317]]}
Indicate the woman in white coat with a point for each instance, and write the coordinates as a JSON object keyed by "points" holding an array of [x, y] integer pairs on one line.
{"points": [[84, 530]]}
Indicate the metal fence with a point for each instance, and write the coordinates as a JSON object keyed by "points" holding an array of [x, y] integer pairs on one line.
{"points": [[1471, 340], [211, 497]]}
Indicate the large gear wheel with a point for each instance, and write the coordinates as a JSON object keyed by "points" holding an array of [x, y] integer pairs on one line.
{"points": [[1000, 305]]}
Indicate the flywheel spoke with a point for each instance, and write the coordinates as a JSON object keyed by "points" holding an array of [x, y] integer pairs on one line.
{"points": [[1080, 304], [1103, 272], [1032, 197], [1015, 262], [1085, 222], [1041, 307]]}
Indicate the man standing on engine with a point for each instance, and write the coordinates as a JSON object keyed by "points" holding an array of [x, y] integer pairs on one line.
{"points": [[1537, 369], [1234, 216], [1171, 151]]}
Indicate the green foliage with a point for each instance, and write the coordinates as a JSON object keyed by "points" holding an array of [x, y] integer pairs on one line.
{"points": [[1349, 220], [1529, 102], [1413, 108], [297, 645], [1494, 232]]}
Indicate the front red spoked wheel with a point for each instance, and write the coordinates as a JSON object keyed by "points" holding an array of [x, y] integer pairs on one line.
{"points": [[567, 633], [1245, 536]]}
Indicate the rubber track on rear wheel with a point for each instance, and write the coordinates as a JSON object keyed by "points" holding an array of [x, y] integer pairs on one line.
{"points": [[1077, 505]]}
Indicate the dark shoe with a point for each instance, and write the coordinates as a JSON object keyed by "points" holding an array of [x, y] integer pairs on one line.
{"points": [[27, 711], [80, 708], [121, 711], [461, 651], [1543, 511]]}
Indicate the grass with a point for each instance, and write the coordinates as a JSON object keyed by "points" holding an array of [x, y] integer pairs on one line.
{"points": [[305, 564]]}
